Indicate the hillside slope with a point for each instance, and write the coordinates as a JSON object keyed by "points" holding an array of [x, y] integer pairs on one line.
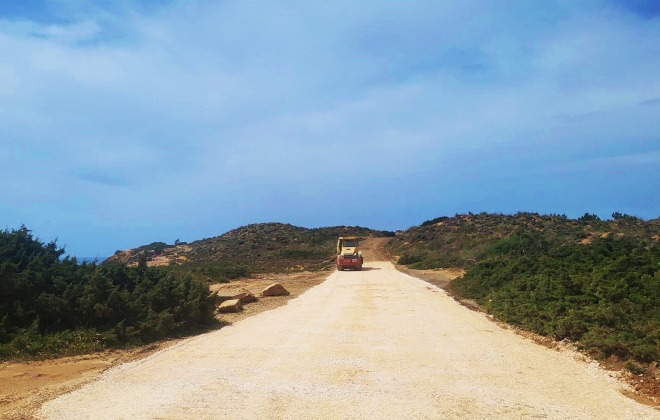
{"points": [[255, 248], [465, 239]]}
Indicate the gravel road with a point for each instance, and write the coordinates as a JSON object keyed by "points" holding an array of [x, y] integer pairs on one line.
{"points": [[372, 344]]}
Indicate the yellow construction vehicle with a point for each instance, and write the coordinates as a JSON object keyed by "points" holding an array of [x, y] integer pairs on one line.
{"points": [[348, 253]]}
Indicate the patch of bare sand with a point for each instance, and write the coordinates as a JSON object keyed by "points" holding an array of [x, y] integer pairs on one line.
{"points": [[440, 277], [296, 284], [24, 386], [373, 249]]}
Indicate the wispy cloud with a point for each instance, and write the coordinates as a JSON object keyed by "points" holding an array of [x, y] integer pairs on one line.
{"points": [[93, 175], [280, 110]]}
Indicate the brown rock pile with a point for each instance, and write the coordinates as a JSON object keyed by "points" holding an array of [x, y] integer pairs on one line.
{"points": [[244, 295]]}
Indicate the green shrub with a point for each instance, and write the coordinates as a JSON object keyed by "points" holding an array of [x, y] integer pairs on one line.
{"points": [[589, 218], [407, 259], [606, 295], [300, 254], [54, 306]]}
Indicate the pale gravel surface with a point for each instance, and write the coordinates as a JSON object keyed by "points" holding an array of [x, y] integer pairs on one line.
{"points": [[372, 344]]}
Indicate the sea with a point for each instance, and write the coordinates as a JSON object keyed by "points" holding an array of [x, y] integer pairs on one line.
{"points": [[98, 260]]}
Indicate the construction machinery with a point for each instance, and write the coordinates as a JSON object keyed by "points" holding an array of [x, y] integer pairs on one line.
{"points": [[348, 253]]}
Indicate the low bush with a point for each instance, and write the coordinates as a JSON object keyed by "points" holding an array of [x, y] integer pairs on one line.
{"points": [[605, 295], [53, 306], [301, 254]]}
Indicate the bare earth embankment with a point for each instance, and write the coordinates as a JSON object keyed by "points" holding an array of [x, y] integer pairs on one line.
{"points": [[369, 344]]}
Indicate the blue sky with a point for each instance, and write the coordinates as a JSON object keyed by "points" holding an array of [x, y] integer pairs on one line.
{"points": [[144, 121]]}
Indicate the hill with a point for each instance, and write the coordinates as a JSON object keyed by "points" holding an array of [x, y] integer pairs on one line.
{"points": [[465, 239], [595, 282], [255, 248]]}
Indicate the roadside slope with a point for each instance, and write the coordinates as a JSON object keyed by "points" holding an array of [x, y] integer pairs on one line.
{"points": [[370, 344]]}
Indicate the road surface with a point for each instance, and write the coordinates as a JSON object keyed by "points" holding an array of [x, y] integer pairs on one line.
{"points": [[372, 344]]}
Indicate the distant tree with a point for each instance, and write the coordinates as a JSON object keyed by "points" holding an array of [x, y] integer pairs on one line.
{"points": [[559, 216], [142, 261], [622, 216], [587, 217]]}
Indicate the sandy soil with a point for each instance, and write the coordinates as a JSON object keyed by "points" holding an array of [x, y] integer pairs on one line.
{"points": [[25, 386], [371, 344], [295, 283]]}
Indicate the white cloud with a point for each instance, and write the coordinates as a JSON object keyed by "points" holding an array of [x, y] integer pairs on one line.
{"points": [[205, 103]]}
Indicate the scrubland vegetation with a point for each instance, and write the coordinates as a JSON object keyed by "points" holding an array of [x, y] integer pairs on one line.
{"points": [[52, 306], [591, 281], [595, 282]]}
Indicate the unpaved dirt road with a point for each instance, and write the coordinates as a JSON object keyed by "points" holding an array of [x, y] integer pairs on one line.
{"points": [[370, 344]]}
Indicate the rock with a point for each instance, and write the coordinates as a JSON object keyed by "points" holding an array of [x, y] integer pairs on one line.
{"points": [[275, 289], [248, 297], [244, 295], [221, 298], [232, 305]]}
